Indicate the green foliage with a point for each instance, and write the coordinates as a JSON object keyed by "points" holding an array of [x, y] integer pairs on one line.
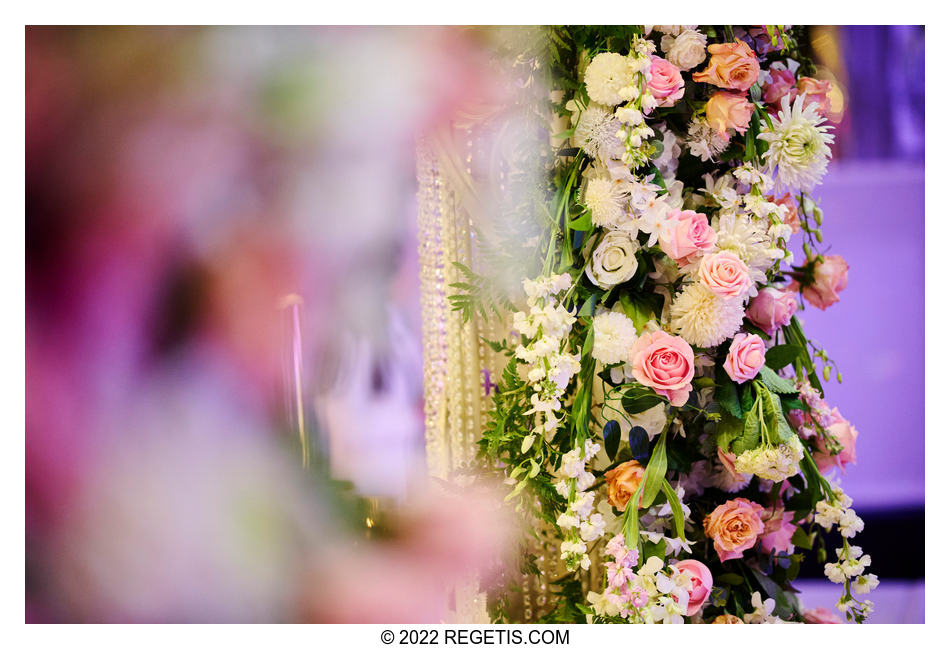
{"points": [[478, 293]]}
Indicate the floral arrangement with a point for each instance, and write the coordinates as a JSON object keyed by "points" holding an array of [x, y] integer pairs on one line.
{"points": [[662, 406]]}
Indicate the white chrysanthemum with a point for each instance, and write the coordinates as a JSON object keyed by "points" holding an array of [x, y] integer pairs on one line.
{"points": [[704, 141], [703, 318], [614, 335], [798, 145], [775, 463], [749, 239], [596, 133], [605, 198], [606, 75]]}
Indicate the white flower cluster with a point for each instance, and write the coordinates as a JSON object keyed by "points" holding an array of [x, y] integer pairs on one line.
{"points": [[762, 611], [547, 324], [849, 569], [703, 141], [837, 511], [581, 525], [612, 79], [775, 463]]}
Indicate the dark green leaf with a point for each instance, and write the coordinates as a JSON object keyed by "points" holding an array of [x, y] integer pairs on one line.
{"points": [[639, 443], [582, 222], [640, 311], [726, 394], [801, 539], [776, 383], [730, 579], [751, 432], [781, 355], [637, 404], [611, 438], [728, 430]]}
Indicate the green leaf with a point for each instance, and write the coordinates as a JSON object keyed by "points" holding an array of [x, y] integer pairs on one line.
{"points": [[776, 383], [637, 404], [801, 539], [656, 472], [782, 355], [783, 607], [730, 579], [751, 435], [582, 222], [726, 394], [728, 430], [611, 438], [638, 310], [631, 519], [677, 508], [590, 304]]}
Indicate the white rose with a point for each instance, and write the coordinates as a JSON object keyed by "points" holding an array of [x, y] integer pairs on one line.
{"points": [[674, 30], [685, 51], [614, 260]]}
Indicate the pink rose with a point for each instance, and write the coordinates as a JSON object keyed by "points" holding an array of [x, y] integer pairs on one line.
{"points": [[778, 531], [701, 583], [791, 211], [666, 82], [689, 236], [831, 277], [728, 461], [725, 274], [732, 66], [734, 527], [746, 357], [821, 615], [816, 92], [726, 110], [846, 435], [778, 84], [772, 308], [664, 363]]}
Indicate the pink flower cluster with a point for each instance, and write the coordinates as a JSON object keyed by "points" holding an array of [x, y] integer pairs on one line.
{"points": [[621, 589], [782, 82], [833, 425]]}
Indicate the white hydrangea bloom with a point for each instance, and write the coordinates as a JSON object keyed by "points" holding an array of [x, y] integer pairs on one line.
{"points": [[614, 335]]}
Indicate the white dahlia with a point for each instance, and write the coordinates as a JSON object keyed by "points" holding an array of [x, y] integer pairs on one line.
{"points": [[703, 318], [798, 145], [614, 335], [606, 75], [596, 133], [605, 198]]}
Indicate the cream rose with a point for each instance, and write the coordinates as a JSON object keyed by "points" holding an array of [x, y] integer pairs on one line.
{"points": [[685, 51], [614, 260]]}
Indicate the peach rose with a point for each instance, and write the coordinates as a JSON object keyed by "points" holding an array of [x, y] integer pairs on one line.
{"points": [[772, 308], [622, 482], [778, 531], [734, 527], [816, 92], [701, 583], [846, 435], [666, 82], [745, 358], [725, 274], [726, 110], [821, 615], [778, 84], [664, 363], [831, 277], [733, 66], [727, 618], [791, 211], [689, 236]]}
